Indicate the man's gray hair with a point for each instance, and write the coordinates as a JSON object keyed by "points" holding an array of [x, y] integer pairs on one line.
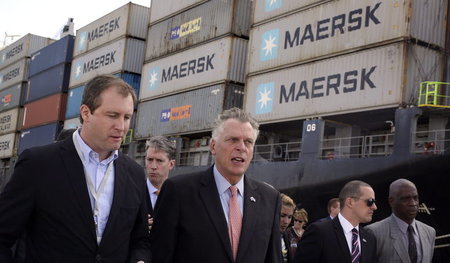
{"points": [[234, 113], [161, 143]]}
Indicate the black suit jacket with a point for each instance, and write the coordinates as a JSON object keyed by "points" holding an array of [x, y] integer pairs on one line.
{"points": [[48, 196], [325, 242], [190, 225]]}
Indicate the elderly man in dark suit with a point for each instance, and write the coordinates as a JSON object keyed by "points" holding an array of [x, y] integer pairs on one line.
{"points": [[342, 240], [401, 238], [219, 215], [81, 200]]}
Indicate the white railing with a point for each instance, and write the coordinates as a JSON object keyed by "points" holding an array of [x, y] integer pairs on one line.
{"points": [[431, 142], [358, 147]]}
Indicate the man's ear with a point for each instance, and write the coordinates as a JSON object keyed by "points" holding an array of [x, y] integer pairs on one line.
{"points": [[212, 145], [84, 112]]}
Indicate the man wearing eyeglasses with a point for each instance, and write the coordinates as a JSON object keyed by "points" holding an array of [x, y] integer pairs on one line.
{"points": [[341, 240], [400, 237]]}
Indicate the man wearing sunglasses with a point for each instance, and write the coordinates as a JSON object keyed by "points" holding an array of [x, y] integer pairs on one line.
{"points": [[341, 240], [400, 237]]}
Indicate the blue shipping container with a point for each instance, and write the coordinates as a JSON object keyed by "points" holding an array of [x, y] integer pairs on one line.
{"points": [[12, 97], [133, 79], [38, 136], [54, 54], [74, 101], [51, 81]]}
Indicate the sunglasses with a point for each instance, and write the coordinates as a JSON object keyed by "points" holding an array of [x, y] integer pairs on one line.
{"points": [[369, 202], [298, 220]]}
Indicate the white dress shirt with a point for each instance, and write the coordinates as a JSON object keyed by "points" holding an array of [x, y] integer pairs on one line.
{"points": [[347, 227], [224, 193]]}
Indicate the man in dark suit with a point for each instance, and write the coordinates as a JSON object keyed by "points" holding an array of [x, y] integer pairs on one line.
{"points": [[159, 160], [333, 209], [341, 240], [81, 200], [219, 215]]}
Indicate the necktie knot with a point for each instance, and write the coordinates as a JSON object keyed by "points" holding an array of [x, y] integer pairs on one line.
{"points": [[233, 190], [156, 192], [355, 231]]}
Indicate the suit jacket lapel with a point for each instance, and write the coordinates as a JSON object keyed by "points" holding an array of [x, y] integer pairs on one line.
{"points": [[343, 246], [396, 236], [364, 246], [424, 241], [211, 200], [76, 176], [250, 216], [120, 183]]}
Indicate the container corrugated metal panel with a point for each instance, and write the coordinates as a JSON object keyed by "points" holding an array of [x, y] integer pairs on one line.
{"points": [[43, 111], [50, 81], [74, 102], [340, 26], [133, 79], [54, 54], [73, 123], [203, 65], [23, 47], [162, 9], [201, 23], [128, 20], [375, 78], [191, 111], [267, 9], [11, 97], [126, 54], [38, 136], [7, 144], [8, 121], [14, 73]]}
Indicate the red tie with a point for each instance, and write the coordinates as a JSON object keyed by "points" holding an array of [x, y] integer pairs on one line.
{"points": [[235, 220]]}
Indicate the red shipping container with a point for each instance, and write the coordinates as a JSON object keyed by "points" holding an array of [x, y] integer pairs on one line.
{"points": [[47, 110]]}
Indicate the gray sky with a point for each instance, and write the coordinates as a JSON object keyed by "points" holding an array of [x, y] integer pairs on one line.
{"points": [[47, 17]]}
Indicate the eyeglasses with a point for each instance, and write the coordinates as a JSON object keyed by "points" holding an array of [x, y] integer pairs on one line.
{"points": [[298, 220], [369, 202]]}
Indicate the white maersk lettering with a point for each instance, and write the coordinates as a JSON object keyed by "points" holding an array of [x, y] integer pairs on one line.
{"points": [[187, 68], [101, 61], [104, 29], [328, 85]]}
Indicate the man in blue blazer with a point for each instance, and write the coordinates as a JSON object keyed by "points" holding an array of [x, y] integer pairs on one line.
{"points": [[219, 215], [81, 200]]}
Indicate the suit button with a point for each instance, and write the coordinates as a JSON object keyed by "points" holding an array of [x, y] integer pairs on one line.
{"points": [[98, 258]]}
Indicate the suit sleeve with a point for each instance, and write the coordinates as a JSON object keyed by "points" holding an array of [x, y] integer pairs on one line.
{"points": [[163, 235], [274, 252], [309, 247], [16, 205], [139, 240]]}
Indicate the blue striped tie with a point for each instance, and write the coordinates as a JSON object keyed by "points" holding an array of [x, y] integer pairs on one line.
{"points": [[356, 254]]}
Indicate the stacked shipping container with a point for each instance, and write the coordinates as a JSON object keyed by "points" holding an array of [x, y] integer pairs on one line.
{"points": [[14, 68]]}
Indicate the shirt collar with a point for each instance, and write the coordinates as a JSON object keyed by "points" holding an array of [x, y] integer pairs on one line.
{"points": [[89, 154], [223, 185], [346, 225], [150, 186], [403, 225]]}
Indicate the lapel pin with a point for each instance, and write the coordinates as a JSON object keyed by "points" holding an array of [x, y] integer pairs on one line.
{"points": [[252, 199], [364, 240]]}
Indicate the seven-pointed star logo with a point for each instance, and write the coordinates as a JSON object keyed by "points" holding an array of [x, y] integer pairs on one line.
{"points": [[264, 98], [272, 5], [269, 45], [82, 42], [78, 70], [153, 78]]}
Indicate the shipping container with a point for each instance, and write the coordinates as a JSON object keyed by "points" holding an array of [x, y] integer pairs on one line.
{"points": [[22, 48], [54, 54], [73, 123], [74, 102], [134, 80], [203, 65], [162, 9], [7, 145], [8, 121], [269, 9], [48, 82], [201, 23], [43, 111], [342, 26], [130, 20], [187, 112], [377, 78], [38, 136], [15, 73], [126, 54], [12, 97]]}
